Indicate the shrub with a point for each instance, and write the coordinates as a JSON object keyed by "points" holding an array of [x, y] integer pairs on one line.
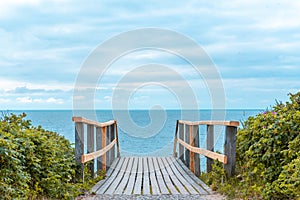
{"points": [[268, 155], [35, 163]]}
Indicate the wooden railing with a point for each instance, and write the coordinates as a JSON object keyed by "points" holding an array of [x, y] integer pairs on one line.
{"points": [[102, 138], [187, 136]]}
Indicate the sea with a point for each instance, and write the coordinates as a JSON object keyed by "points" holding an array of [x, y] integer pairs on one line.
{"points": [[141, 133]]}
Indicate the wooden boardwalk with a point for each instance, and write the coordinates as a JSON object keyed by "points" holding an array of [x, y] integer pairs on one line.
{"points": [[150, 175]]}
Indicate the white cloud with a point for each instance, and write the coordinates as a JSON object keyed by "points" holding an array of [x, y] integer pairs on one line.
{"points": [[27, 100], [24, 100]]}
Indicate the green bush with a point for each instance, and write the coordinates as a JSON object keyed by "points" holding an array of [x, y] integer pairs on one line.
{"points": [[268, 156], [35, 163], [268, 151]]}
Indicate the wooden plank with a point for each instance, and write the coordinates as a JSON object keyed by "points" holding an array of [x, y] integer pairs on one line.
{"points": [[192, 154], [196, 144], [146, 182], [79, 147], [204, 189], [132, 176], [230, 150], [103, 144], [108, 138], [159, 177], [180, 187], [112, 153], [79, 141], [181, 177], [111, 173], [222, 123], [91, 148], [91, 122], [114, 178], [87, 157], [124, 181], [209, 146], [153, 181], [180, 148], [187, 150], [210, 154], [98, 147], [117, 137], [139, 179], [167, 179], [175, 140]]}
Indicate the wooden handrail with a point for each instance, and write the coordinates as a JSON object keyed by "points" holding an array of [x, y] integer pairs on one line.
{"points": [[103, 139], [222, 123], [187, 136], [90, 156], [91, 122], [216, 156]]}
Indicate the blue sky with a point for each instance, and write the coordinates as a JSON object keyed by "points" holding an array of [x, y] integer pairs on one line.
{"points": [[255, 46]]}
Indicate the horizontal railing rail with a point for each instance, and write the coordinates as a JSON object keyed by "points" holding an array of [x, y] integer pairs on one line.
{"points": [[102, 140], [187, 137]]}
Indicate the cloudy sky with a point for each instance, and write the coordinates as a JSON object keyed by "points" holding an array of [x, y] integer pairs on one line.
{"points": [[254, 45]]}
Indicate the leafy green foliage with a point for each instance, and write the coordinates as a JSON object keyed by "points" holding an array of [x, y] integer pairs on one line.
{"points": [[35, 163], [268, 154]]}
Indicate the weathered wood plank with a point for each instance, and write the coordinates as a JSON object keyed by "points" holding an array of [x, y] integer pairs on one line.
{"points": [[110, 174], [103, 144], [98, 147], [139, 179], [153, 181], [224, 123], [197, 145], [87, 157], [230, 150], [181, 148], [146, 182], [182, 179], [167, 179], [209, 146], [91, 148], [79, 146], [117, 137], [112, 137], [180, 187], [132, 176], [205, 152], [124, 181], [113, 178], [91, 122], [187, 150], [192, 154], [159, 177], [196, 179], [116, 179], [175, 140]]}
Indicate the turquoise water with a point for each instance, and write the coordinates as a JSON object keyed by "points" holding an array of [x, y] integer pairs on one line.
{"points": [[159, 144]]}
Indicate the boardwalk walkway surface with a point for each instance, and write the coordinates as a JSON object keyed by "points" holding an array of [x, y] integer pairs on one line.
{"points": [[150, 178]]}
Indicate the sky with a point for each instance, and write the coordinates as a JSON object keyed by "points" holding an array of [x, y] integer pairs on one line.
{"points": [[254, 45]]}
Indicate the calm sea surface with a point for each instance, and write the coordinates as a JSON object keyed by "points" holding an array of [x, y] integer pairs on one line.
{"points": [[159, 144]]}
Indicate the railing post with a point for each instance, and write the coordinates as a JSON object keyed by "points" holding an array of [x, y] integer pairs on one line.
{"points": [[79, 147], [98, 147], [192, 154], [181, 148], [113, 153], [108, 130], [91, 147], [175, 140], [196, 144], [230, 150], [187, 140], [117, 136], [103, 144], [209, 146]]}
